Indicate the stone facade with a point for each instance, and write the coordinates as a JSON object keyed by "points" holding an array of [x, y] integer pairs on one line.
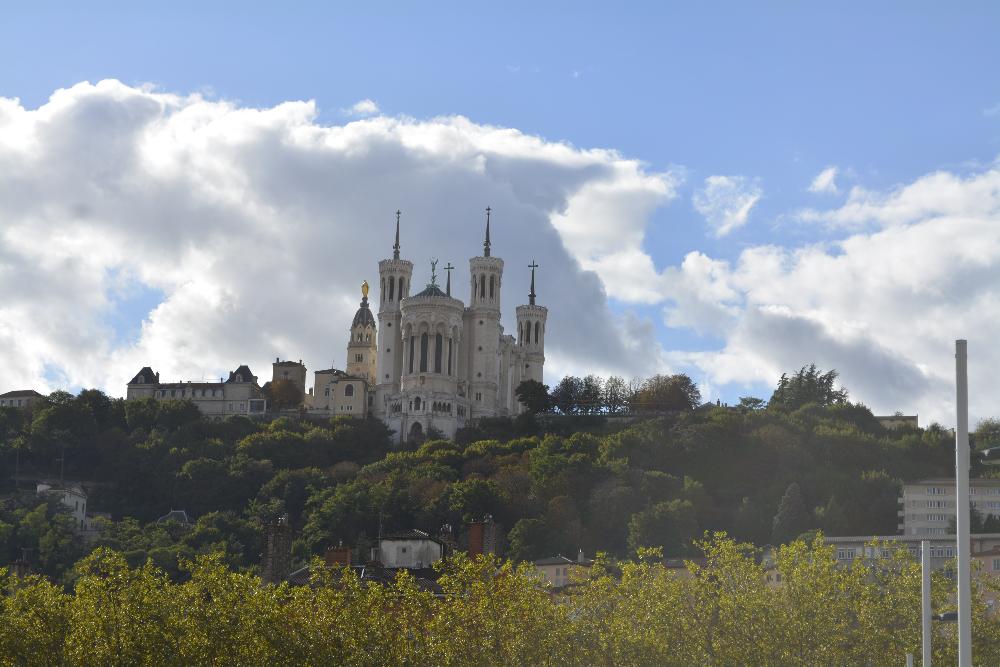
{"points": [[239, 395]]}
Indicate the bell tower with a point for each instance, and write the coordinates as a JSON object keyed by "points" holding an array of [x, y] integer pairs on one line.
{"points": [[361, 349], [394, 286], [531, 335], [482, 326]]}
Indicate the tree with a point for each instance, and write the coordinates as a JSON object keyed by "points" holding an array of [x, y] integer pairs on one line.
{"points": [[670, 525], [668, 393], [283, 395], [592, 394], [566, 395], [791, 519], [615, 394], [808, 385], [987, 433], [534, 396], [751, 404]]}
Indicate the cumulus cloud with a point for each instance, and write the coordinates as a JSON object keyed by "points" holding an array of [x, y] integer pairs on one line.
{"points": [[365, 107], [726, 201], [256, 226], [882, 305], [825, 182]]}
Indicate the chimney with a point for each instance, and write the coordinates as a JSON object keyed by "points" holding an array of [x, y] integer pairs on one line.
{"points": [[475, 539], [579, 557], [277, 359], [338, 555]]}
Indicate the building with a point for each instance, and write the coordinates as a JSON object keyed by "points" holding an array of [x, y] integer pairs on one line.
{"points": [[412, 549], [239, 395], [20, 398], [439, 363], [74, 499], [289, 371], [943, 549], [559, 571], [927, 506], [898, 421]]}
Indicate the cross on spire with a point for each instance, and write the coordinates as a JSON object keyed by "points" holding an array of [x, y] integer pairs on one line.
{"points": [[395, 248], [531, 294], [486, 244], [448, 268]]}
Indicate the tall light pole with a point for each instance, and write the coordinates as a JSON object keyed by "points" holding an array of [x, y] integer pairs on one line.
{"points": [[962, 504], [925, 603]]}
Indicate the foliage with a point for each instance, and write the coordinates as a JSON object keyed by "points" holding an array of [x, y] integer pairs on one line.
{"points": [[807, 385]]}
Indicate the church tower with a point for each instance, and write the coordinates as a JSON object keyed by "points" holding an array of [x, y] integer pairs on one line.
{"points": [[394, 275], [482, 327], [531, 336], [361, 349]]}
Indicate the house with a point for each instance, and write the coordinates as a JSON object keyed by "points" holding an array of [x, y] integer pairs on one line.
{"points": [[408, 549], [559, 571], [73, 498], [897, 421], [943, 548], [20, 398]]}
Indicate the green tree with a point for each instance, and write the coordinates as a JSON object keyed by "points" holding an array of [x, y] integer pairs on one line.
{"points": [[534, 396], [283, 395], [566, 396], [792, 518], [669, 525], [807, 385]]}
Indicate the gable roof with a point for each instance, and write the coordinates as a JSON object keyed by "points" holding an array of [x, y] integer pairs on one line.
{"points": [[144, 376], [244, 372]]}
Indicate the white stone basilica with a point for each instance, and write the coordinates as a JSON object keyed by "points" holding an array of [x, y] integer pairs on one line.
{"points": [[436, 363]]}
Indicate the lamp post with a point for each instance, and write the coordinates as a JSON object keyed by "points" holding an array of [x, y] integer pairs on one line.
{"points": [[962, 503]]}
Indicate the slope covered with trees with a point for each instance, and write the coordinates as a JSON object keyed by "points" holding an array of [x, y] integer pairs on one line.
{"points": [[555, 483]]}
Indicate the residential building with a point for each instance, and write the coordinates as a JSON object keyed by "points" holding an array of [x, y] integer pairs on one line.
{"points": [[74, 499], [238, 395], [559, 571], [408, 549], [943, 548], [20, 398], [897, 421], [927, 506]]}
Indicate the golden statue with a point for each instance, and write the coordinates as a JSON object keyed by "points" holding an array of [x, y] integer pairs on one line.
{"points": [[364, 289]]}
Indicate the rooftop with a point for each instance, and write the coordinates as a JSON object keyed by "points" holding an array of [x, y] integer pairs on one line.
{"points": [[22, 393]]}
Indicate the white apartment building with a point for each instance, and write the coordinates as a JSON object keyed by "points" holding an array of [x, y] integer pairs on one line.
{"points": [[943, 549], [927, 506]]}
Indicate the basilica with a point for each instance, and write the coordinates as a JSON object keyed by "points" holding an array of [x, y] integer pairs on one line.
{"points": [[431, 362], [428, 364]]}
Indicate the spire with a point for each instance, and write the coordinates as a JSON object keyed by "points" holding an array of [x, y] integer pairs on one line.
{"points": [[448, 268], [395, 248], [486, 244], [531, 294]]}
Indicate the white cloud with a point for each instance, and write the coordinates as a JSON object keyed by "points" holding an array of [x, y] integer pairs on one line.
{"points": [[257, 226], [825, 182], [883, 306], [726, 201], [365, 107]]}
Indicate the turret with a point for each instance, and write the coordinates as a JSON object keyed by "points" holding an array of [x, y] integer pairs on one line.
{"points": [[362, 347], [483, 329], [531, 335]]}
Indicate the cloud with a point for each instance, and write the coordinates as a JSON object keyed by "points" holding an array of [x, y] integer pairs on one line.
{"points": [[883, 305], [257, 225], [825, 182], [365, 107], [726, 201]]}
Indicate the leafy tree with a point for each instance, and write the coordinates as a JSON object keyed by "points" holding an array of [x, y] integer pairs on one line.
{"points": [[807, 385], [750, 404], [670, 525], [567, 395], [534, 396], [666, 393], [592, 394], [987, 433], [792, 518], [616, 394], [283, 395]]}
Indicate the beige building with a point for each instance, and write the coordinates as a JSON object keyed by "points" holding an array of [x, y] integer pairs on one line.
{"points": [[290, 371], [927, 506], [559, 571], [943, 549], [21, 398], [337, 393], [238, 395], [894, 422]]}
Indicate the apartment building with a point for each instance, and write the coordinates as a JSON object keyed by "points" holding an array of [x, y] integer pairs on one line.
{"points": [[927, 506]]}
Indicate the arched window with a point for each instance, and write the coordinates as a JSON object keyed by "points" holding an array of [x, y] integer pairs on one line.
{"points": [[482, 288], [411, 353], [349, 390], [520, 333], [423, 353], [382, 291], [416, 403], [392, 285], [491, 287], [401, 292], [449, 356], [438, 352], [537, 325]]}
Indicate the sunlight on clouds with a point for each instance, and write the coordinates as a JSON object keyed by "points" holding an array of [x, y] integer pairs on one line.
{"points": [[726, 201]]}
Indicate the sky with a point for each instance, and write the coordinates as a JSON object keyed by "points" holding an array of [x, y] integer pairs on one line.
{"points": [[730, 190]]}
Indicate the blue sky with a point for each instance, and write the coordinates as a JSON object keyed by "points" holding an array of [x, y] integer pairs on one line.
{"points": [[771, 92]]}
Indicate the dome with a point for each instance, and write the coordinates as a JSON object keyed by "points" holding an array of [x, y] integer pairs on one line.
{"points": [[431, 290], [364, 315]]}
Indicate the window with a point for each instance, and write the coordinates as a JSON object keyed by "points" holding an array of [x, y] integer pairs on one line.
{"points": [[491, 287], [173, 393], [482, 288], [423, 353], [392, 286], [416, 403], [401, 289], [537, 324], [449, 356], [479, 396], [996, 564], [845, 553], [411, 353], [359, 358], [326, 392], [438, 351], [349, 390]]}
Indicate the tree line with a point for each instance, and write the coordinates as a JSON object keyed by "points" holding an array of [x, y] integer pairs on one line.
{"points": [[725, 608], [611, 396]]}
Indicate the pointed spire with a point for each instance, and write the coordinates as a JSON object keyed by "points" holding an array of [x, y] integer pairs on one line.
{"points": [[448, 268], [531, 294], [486, 244], [395, 248]]}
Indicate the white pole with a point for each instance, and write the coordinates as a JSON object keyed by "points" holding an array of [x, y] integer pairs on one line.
{"points": [[909, 660], [925, 603], [962, 504]]}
